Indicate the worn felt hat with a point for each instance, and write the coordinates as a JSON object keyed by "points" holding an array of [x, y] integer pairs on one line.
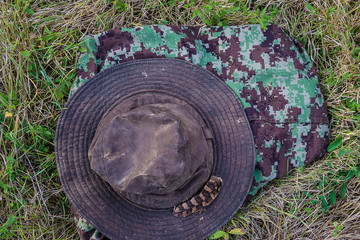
{"points": [[144, 136], [270, 73]]}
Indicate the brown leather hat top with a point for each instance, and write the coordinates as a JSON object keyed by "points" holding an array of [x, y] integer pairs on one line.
{"points": [[152, 150]]}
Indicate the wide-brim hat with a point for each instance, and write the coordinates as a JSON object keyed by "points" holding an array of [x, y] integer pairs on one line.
{"points": [[101, 108]]}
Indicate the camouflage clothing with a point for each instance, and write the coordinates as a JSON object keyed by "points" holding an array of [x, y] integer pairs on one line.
{"points": [[270, 72], [85, 229]]}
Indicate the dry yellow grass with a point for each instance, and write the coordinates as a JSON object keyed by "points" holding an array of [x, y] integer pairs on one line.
{"points": [[39, 46]]}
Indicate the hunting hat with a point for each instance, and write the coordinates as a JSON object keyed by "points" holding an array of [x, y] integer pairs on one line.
{"points": [[155, 140], [145, 144]]}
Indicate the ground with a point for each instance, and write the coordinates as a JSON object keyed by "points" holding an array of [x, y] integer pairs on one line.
{"points": [[39, 46]]}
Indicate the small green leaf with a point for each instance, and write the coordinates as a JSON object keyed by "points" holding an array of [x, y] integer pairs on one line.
{"points": [[349, 176], [308, 210], [237, 231], [25, 53], [30, 11], [323, 202], [11, 220], [357, 171], [342, 152], [332, 197], [338, 228], [343, 191], [333, 145], [307, 194], [120, 6], [207, 22], [308, 6], [329, 164], [356, 52], [196, 12], [47, 30], [218, 234]]}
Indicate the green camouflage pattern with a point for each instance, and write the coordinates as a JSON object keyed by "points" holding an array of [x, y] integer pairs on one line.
{"points": [[85, 229], [270, 72]]}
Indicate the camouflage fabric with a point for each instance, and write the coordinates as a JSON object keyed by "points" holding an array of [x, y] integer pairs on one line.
{"points": [[270, 72], [85, 229]]}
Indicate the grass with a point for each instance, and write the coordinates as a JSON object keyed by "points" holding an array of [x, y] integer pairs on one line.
{"points": [[39, 45]]}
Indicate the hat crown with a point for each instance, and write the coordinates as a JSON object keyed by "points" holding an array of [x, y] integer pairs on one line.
{"points": [[155, 155]]}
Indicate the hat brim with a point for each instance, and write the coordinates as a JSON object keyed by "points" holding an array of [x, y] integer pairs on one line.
{"points": [[234, 152]]}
